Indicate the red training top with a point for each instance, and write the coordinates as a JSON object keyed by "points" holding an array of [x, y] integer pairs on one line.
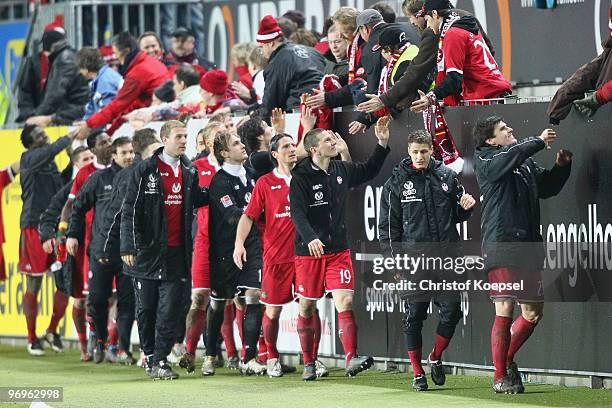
{"points": [[172, 185]]}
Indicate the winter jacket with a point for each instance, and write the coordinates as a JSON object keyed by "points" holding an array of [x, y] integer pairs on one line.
{"points": [[40, 180], [318, 199], [404, 91], [292, 71], [339, 69], [66, 92], [102, 90], [511, 184], [228, 199], [143, 219], [111, 225], [95, 194], [47, 226], [30, 92], [589, 77], [141, 75], [421, 206]]}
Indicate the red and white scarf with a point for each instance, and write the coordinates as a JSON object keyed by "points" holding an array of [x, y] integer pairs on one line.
{"points": [[354, 57], [386, 77], [325, 115]]}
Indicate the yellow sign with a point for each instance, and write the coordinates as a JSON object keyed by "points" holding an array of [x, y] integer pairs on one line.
{"points": [[12, 320]]}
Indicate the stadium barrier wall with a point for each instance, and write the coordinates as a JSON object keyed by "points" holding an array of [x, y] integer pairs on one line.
{"points": [[573, 337]]}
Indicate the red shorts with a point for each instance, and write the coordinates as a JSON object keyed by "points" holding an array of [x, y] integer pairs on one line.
{"points": [[529, 284], [200, 267], [331, 272], [2, 268], [277, 284], [33, 260]]}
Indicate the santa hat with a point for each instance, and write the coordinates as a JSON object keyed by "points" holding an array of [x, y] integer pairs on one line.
{"points": [[55, 27], [268, 30], [108, 55], [214, 81]]}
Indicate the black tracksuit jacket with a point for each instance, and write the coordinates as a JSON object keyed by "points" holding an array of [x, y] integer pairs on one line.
{"points": [[318, 199], [47, 226]]}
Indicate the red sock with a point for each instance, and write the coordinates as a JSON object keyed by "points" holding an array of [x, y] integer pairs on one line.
{"points": [[348, 334], [270, 332], [306, 332], [317, 334], [78, 317], [113, 333], [262, 349], [239, 321], [227, 330], [520, 331], [30, 310], [196, 318], [500, 341], [440, 345], [415, 359], [60, 301]]}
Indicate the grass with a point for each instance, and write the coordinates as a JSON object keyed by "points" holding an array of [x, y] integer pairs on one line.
{"points": [[105, 385]]}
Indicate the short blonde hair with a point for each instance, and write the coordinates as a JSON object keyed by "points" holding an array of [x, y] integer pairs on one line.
{"points": [[241, 51], [211, 129], [169, 126], [347, 16]]}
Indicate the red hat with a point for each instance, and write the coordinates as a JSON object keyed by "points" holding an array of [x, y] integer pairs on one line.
{"points": [[214, 81], [108, 55], [268, 30]]}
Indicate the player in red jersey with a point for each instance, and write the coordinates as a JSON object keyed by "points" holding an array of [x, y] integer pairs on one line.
{"points": [[100, 145], [271, 198], [200, 269], [466, 67]]}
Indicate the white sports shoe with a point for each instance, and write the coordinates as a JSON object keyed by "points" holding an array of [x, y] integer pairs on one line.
{"points": [[177, 352], [321, 369], [274, 368], [35, 348], [253, 367]]}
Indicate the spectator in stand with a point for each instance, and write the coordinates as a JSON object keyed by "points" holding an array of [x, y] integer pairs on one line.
{"points": [[186, 82], [150, 43], [32, 83], [65, 91], [141, 75], [338, 47], [297, 17], [304, 37], [239, 57], [594, 75], [216, 95], [466, 67], [323, 45], [288, 26], [256, 63], [109, 57], [370, 24], [183, 50], [404, 91], [292, 69], [385, 10], [104, 82]]}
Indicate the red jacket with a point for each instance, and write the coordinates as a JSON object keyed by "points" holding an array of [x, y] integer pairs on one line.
{"points": [[142, 76]]}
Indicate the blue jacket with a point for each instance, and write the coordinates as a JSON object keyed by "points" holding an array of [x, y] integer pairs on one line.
{"points": [[102, 90]]}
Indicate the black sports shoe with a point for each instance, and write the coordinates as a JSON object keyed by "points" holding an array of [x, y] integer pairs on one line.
{"points": [[163, 371], [35, 348], [515, 378], [99, 353], [504, 386], [310, 372], [438, 376], [358, 364], [55, 341], [187, 362], [288, 369], [419, 383]]}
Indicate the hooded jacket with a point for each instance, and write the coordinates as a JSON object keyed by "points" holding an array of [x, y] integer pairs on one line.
{"points": [[319, 198], [511, 185], [143, 219], [66, 91]]}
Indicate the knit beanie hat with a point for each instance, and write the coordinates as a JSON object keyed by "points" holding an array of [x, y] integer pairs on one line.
{"points": [[269, 30], [214, 81], [165, 92]]}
